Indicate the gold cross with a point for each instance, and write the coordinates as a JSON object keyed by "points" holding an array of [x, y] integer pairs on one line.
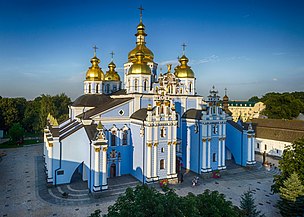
{"points": [[95, 48], [141, 9], [112, 55], [184, 47]]}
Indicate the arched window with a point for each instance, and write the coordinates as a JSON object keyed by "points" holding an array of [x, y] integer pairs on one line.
{"points": [[125, 137], [162, 132], [145, 85], [113, 138], [107, 88], [162, 164], [190, 87], [89, 88], [214, 157], [97, 88], [162, 109], [135, 84]]}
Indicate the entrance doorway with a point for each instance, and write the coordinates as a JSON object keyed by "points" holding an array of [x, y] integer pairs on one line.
{"points": [[113, 170]]}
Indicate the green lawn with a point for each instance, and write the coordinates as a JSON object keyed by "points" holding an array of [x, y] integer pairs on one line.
{"points": [[11, 144]]}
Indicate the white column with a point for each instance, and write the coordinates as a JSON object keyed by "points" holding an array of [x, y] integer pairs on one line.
{"points": [[252, 147], [188, 148], [209, 152], [219, 156], [169, 159], [50, 162], [223, 153], [174, 157], [96, 168], [104, 166], [155, 160], [149, 159], [204, 155], [249, 150]]}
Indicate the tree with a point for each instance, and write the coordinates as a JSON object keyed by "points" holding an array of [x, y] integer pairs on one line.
{"points": [[248, 208], [283, 106], [96, 213], [292, 196], [254, 99], [292, 161], [145, 201], [31, 116], [16, 132]]}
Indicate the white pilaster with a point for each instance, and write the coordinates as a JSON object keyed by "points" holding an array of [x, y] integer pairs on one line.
{"points": [[104, 168], [149, 159], [174, 157], [96, 169], [155, 160], [169, 159], [50, 162], [223, 153], [209, 152], [188, 148], [219, 156], [204, 156]]}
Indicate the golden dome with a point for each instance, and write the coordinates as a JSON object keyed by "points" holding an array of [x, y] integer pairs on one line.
{"points": [[225, 98], [95, 73], [148, 55], [112, 75], [141, 45], [183, 70], [141, 29], [140, 66]]}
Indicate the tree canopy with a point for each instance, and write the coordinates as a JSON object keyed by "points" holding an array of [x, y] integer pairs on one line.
{"points": [[32, 114], [292, 162], [282, 105], [247, 206], [145, 201], [292, 197]]}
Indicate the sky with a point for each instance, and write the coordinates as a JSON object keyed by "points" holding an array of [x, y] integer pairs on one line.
{"points": [[250, 47]]}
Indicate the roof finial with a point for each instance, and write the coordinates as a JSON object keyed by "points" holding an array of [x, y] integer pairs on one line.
{"points": [[112, 55], [140, 9], [225, 91], [184, 48], [95, 48]]}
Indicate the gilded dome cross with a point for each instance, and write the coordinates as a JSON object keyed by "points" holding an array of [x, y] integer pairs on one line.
{"points": [[95, 48], [184, 48], [140, 9], [112, 55]]}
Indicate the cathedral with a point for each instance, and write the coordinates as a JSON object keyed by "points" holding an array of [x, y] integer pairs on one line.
{"points": [[149, 125]]}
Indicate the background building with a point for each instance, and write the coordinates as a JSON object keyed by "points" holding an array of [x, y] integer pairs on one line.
{"points": [[273, 135]]}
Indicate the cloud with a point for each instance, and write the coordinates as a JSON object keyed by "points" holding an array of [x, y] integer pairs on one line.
{"points": [[274, 79]]}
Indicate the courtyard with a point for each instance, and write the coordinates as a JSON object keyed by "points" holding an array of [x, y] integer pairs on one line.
{"points": [[24, 191]]}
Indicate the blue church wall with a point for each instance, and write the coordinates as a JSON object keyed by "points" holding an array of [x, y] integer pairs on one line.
{"points": [[195, 150], [214, 150], [236, 142], [125, 154], [114, 112], [146, 101], [70, 152], [137, 141], [184, 142]]}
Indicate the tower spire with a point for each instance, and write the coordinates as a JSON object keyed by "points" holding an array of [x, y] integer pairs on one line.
{"points": [[140, 14], [225, 91]]}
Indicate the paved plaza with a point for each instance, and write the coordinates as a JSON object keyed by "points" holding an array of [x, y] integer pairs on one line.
{"points": [[24, 191]]}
